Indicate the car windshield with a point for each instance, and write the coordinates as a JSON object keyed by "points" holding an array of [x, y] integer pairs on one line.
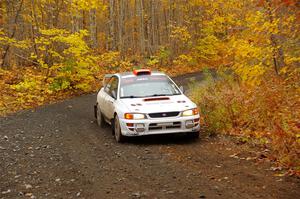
{"points": [[147, 86]]}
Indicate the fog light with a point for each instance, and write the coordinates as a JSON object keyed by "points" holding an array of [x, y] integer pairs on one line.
{"points": [[189, 124], [139, 128], [130, 124]]}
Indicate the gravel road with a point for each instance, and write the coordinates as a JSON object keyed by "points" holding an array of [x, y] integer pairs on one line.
{"points": [[58, 151]]}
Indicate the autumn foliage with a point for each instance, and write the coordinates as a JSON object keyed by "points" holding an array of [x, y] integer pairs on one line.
{"points": [[51, 51], [255, 93], [267, 114]]}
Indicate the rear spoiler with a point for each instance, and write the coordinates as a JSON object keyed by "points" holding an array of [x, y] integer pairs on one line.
{"points": [[106, 79]]}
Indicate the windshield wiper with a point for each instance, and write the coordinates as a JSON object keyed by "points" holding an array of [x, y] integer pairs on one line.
{"points": [[157, 95], [131, 96]]}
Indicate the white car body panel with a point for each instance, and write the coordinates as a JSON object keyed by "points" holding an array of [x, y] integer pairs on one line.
{"points": [[159, 106], [163, 125]]}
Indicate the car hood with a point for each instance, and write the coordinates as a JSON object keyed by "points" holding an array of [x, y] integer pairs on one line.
{"points": [[158, 104]]}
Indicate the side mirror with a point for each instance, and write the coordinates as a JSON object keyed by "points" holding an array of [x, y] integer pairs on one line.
{"points": [[182, 89], [114, 94]]}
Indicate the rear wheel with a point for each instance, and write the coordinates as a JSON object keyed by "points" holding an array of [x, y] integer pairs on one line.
{"points": [[117, 129], [99, 118]]}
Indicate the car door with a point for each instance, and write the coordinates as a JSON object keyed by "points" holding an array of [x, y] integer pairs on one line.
{"points": [[112, 97], [104, 96]]}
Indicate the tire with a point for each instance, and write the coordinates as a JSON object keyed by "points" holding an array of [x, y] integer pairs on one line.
{"points": [[99, 117], [117, 129], [193, 135]]}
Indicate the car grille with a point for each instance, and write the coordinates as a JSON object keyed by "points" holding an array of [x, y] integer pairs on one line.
{"points": [[161, 126], [164, 114]]}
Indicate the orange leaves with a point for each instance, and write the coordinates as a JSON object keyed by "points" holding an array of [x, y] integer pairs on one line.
{"points": [[268, 113]]}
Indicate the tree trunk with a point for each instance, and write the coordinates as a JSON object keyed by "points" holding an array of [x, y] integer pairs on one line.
{"points": [[153, 25], [121, 28], [1, 14], [278, 54], [93, 28], [34, 27], [112, 25], [12, 34], [141, 26]]}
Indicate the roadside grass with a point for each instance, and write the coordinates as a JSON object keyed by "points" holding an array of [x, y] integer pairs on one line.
{"points": [[267, 114]]}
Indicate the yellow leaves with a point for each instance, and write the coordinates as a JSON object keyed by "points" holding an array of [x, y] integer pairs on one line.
{"points": [[208, 48], [31, 82], [53, 32], [196, 2], [74, 43], [33, 56], [244, 49], [55, 54], [42, 48], [270, 28], [42, 64], [154, 60], [251, 61], [283, 70], [27, 84], [76, 46], [72, 66], [88, 5], [180, 33], [6, 40], [254, 20], [251, 75], [290, 60], [110, 58], [183, 60]]}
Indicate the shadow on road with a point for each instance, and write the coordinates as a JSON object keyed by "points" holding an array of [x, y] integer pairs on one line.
{"points": [[161, 140]]}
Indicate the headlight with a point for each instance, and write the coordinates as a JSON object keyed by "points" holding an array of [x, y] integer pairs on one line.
{"points": [[190, 112], [134, 116]]}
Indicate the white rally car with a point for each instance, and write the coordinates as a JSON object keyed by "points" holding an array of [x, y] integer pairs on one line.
{"points": [[145, 103]]}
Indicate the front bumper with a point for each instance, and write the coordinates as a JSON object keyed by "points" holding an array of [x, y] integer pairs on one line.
{"points": [[160, 126]]}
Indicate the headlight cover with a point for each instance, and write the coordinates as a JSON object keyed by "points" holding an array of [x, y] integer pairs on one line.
{"points": [[134, 116], [190, 112]]}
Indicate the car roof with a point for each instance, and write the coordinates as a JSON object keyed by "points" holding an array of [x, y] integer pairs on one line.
{"points": [[130, 74]]}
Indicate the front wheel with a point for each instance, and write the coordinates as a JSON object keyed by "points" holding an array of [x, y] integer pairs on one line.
{"points": [[117, 129]]}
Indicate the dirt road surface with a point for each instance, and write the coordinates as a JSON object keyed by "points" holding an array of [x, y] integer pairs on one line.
{"points": [[58, 151]]}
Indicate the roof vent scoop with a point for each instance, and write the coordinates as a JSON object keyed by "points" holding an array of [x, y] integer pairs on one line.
{"points": [[142, 72]]}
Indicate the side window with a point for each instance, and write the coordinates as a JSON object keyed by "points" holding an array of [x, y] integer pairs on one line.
{"points": [[108, 86], [113, 86]]}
